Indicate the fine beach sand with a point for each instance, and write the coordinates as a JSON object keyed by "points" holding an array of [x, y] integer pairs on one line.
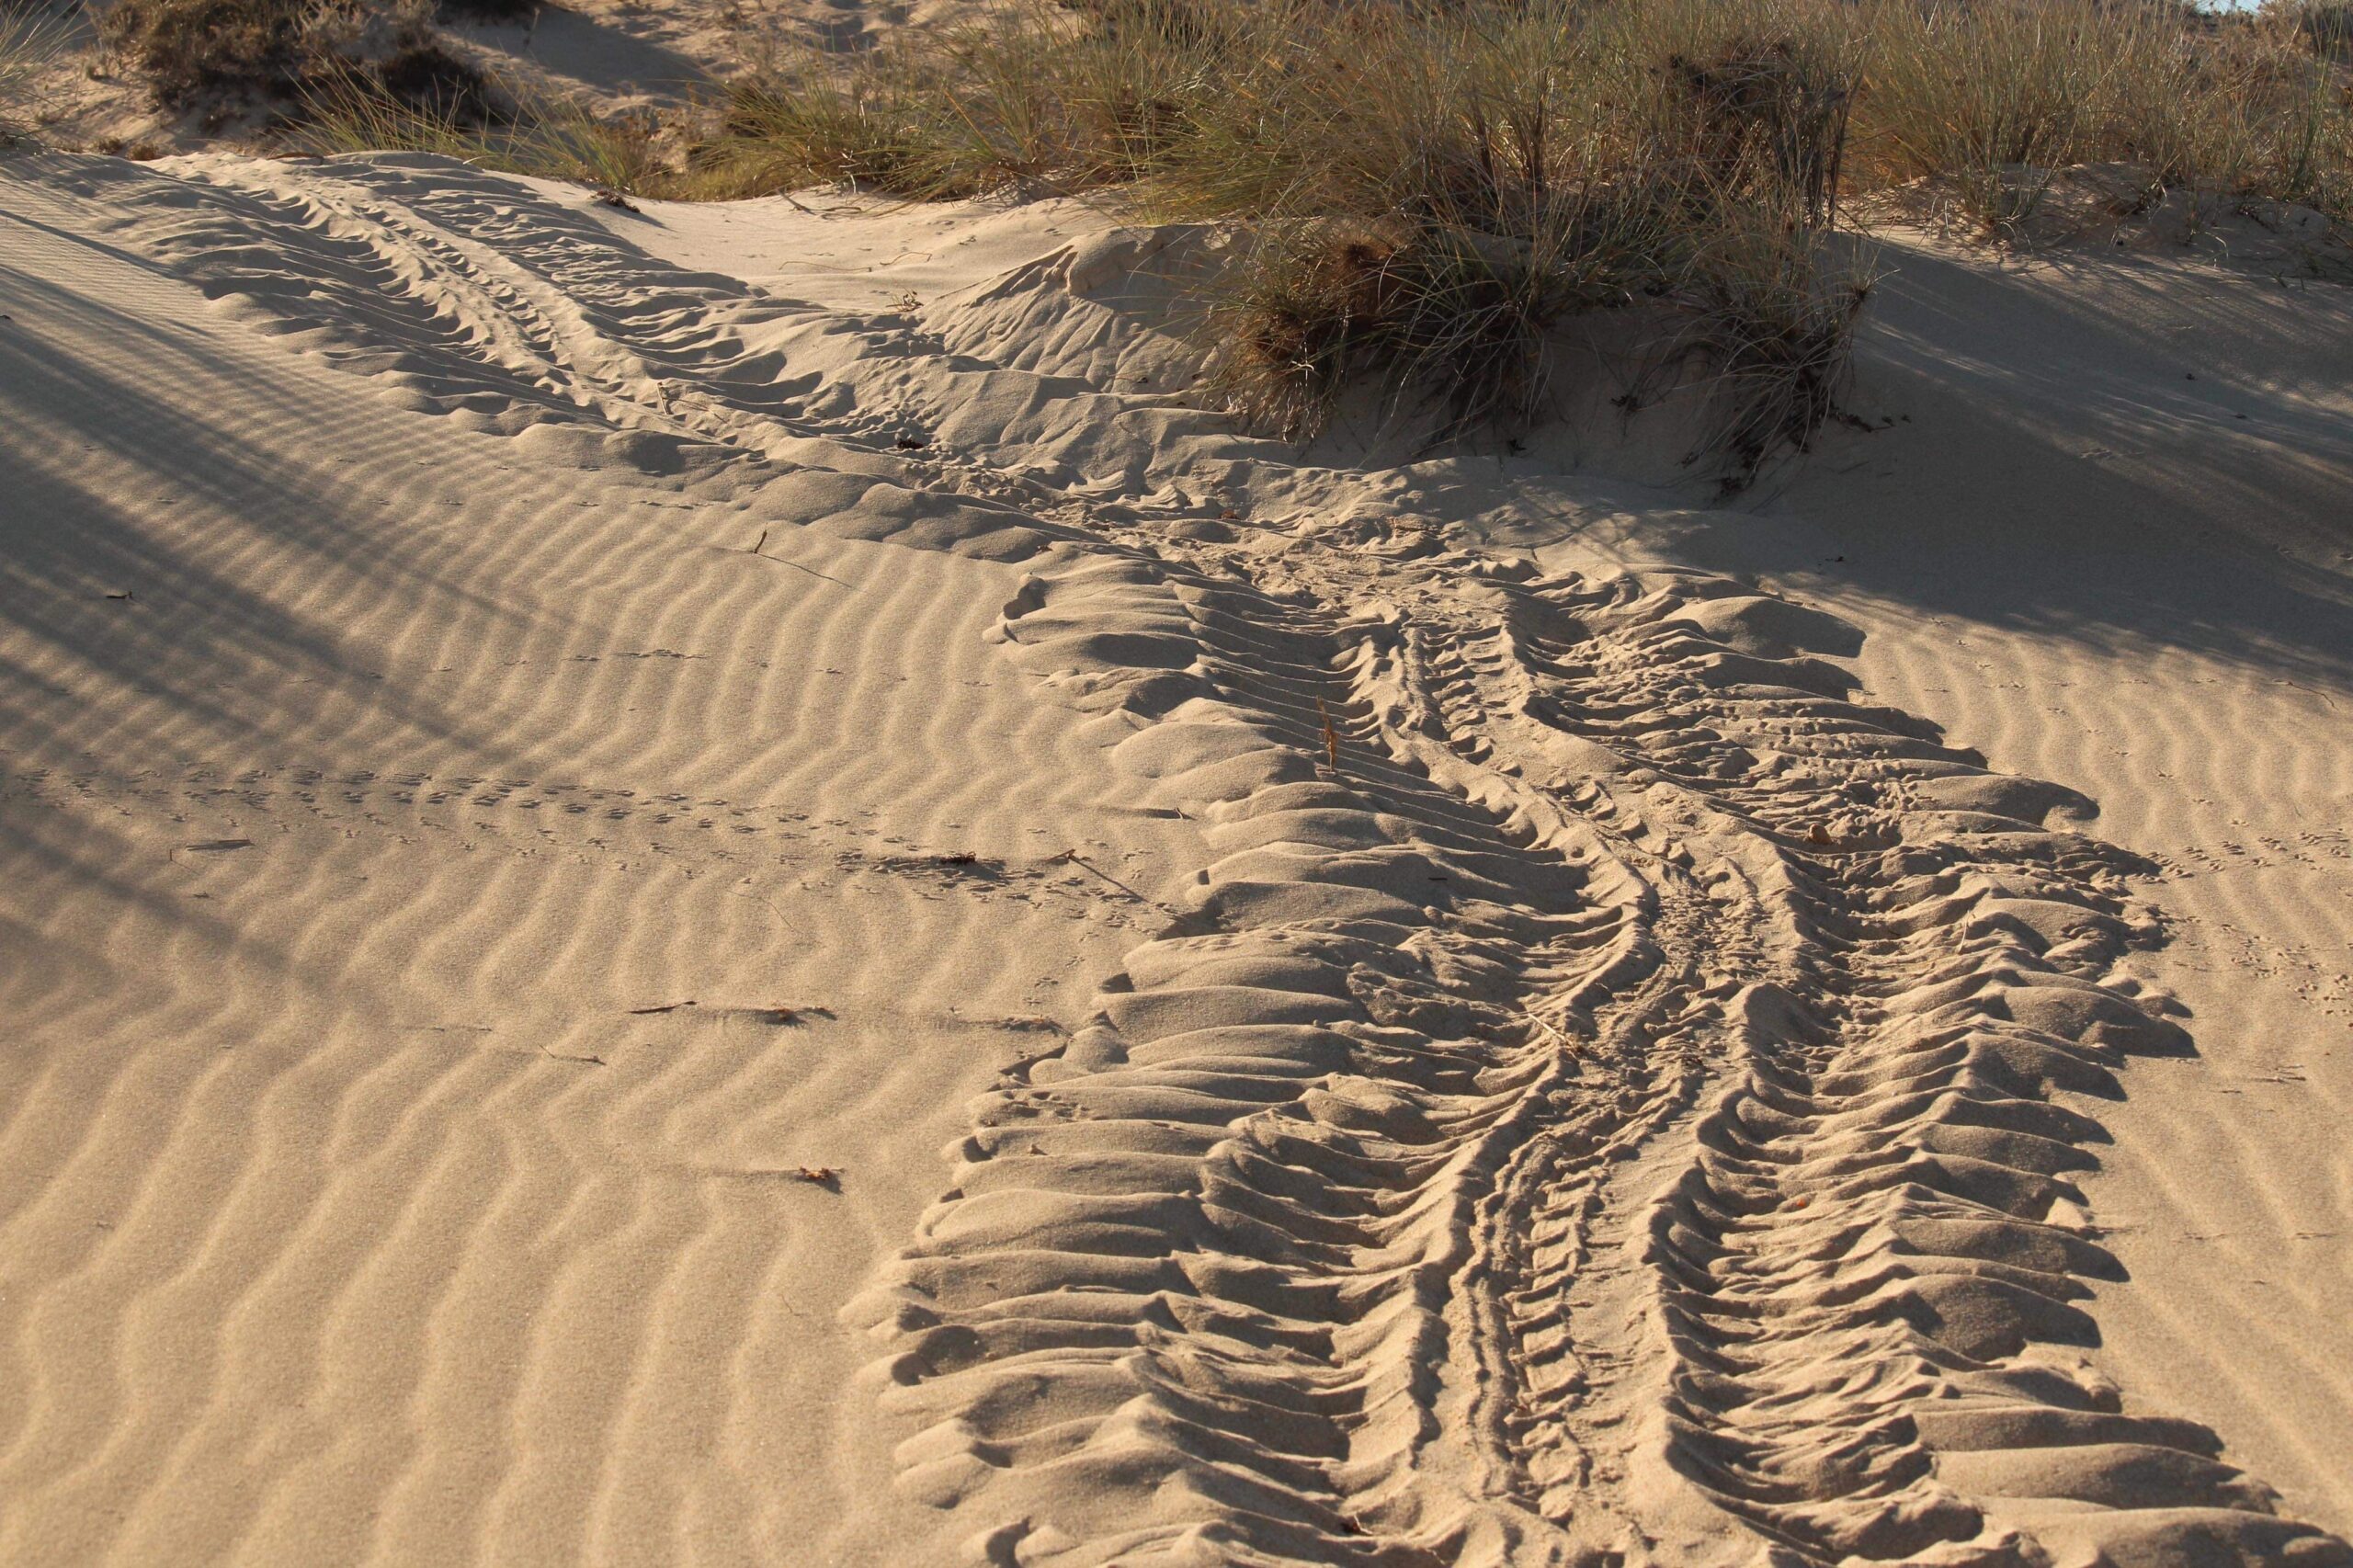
{"points": [[713, 885]]}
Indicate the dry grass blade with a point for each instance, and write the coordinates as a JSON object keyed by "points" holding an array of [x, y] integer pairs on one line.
{"points": [[29, 45]]}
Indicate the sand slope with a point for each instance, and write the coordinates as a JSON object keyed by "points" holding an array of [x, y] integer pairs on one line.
{"points": [[1531, 1060]]}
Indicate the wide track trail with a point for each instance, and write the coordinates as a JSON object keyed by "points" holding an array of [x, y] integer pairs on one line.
{"points": [[785, 913]]}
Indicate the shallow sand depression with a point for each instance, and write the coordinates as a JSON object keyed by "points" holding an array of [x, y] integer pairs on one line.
{"points": [[692, 887]]}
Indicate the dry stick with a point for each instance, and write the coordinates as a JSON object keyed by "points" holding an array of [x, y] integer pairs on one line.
{"points": [[2314, 691], [772, 909], [584, 1061], [1074, 856], [760, 548]]}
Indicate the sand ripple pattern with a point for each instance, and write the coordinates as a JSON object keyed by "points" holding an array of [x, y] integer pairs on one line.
{"points": [[1612, 1098]]}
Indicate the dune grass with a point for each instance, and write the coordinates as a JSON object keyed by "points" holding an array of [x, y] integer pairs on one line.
{"points": [[1223, 95], [1990, 99], [29, 42], [1430, 189], [528, 133], [1434, 187]]}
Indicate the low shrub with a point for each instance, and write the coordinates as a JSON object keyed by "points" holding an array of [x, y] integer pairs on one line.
{"points": [[429, 79], [218, 58], [492, 13]]}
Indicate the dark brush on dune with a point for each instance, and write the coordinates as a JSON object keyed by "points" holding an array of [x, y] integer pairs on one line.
{"points": [[490, 13], [430, 79], [196, 53], [291, 60]]}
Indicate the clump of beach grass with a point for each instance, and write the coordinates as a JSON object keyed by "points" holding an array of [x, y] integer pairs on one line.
{"points": [[29, 43], [1029, 95], [520, 131], [2326, 26], [1990, 99]]}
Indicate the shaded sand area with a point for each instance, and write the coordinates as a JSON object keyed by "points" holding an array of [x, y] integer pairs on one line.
{"points": [[710, 886]]}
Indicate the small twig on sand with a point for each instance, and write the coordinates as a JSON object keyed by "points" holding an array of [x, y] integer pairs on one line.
{"points": [[1331, 736], [772, 909], [760, 549], [2314, 691], [1083, 865]]}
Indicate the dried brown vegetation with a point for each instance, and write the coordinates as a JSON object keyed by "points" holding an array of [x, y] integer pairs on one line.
{"points": [[224, 60], [194, 52]]}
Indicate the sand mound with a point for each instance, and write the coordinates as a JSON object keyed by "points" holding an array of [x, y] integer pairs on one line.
{"points": [[1449, 1052]]}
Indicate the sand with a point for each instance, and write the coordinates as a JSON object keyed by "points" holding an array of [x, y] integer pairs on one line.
{"points": [[716, 885]]}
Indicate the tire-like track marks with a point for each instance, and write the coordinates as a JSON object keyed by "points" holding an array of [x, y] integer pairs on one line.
{"points": [[1611, 1098]]}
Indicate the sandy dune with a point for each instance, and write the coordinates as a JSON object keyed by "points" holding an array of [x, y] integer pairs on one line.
{"points": [[1355, 1011]]}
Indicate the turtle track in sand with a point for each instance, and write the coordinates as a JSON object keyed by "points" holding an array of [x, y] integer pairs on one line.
{"points": [[1614, 1097], [1328, 1236]]}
